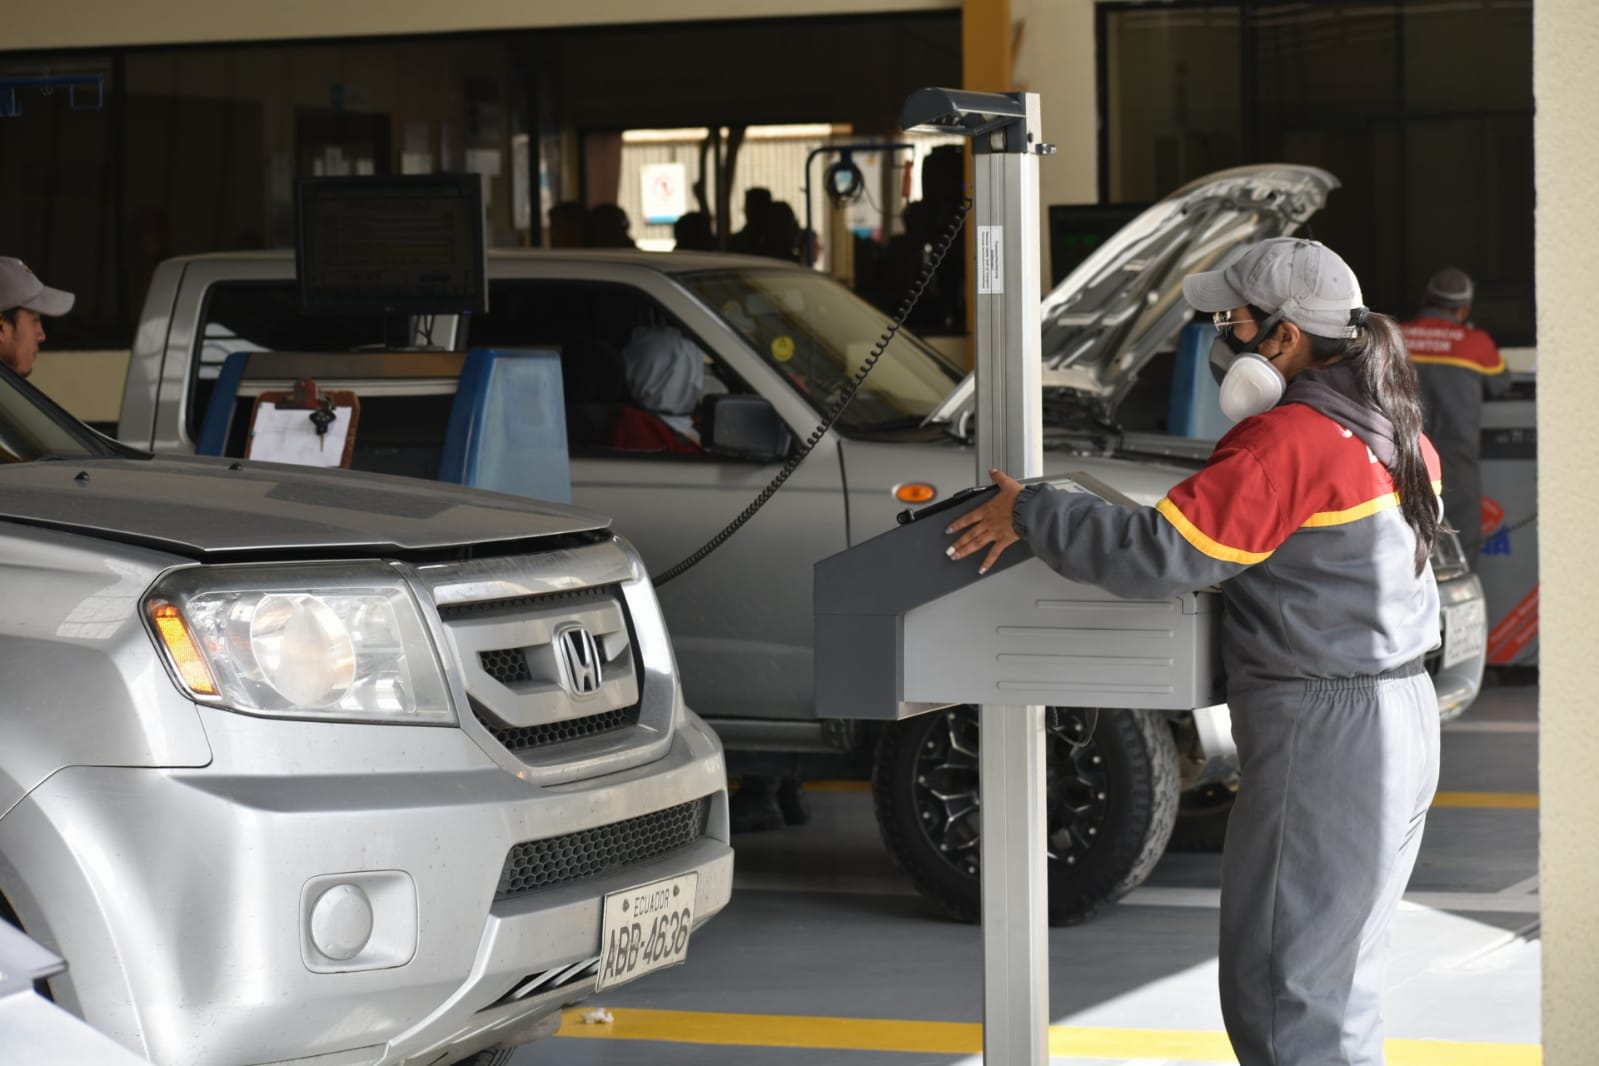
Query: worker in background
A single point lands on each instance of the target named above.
(692, 233)
(748, 241)
(566, 224)
(607, 226)
(1316, 515)
(665, 373)
(25, 301)
(1456, 364)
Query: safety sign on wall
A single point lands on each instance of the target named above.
(665, 192)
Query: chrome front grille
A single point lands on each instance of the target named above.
(526, 738)
(590, 852)
(506, 665)
(531, 694)
(547, 650)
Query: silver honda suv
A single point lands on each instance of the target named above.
(332, 767)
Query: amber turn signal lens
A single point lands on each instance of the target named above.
(915, 492)
(180, 645)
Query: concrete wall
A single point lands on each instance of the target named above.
(1053, 55)
(1566, 83)
(93, 23)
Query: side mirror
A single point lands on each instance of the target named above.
(745, 427)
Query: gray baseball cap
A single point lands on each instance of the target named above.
(1305, 281)
(20, 287)
(1450, 287)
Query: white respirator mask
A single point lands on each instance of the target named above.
(1250, 384)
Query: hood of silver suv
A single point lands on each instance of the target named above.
(204, 507)
(1124, 303)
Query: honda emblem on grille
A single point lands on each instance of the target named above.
(579, 654)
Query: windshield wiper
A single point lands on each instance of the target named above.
(896, 425)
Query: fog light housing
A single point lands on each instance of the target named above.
(341, 922)
(365, 920)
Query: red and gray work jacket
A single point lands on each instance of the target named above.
(1456, 365)
(1297, 519)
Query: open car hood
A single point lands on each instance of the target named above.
(1125, 301)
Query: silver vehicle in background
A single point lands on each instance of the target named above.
(312, 766)
(781, 343)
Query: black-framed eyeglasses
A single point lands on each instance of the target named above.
(1222, 323)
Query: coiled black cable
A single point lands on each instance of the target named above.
(929, 268)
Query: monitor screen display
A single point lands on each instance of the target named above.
(1075, 230)
(403, 245)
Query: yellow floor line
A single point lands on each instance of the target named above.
(1510, 801)
(838, 786)
(966, 1038)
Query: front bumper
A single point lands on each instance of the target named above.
(1459, 682)
(183, 898)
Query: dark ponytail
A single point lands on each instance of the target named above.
(1382, 366)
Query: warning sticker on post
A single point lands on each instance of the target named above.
(990, 260)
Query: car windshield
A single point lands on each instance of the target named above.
(32, 427)
(817, 334)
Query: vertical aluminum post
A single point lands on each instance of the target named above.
(1010, 437)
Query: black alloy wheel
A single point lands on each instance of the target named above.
(1111, 795)
(1202, 815)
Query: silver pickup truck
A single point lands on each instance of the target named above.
(779, 342)
(309, 766)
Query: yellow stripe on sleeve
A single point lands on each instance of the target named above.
(1352, 514)
(1202, 541)
(1463, 364)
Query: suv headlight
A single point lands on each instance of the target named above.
(1448, 557)
(341, 641)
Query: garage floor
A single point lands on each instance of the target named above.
(826, 955)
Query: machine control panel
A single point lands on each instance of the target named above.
(902, 630)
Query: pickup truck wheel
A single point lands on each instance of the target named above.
(1202, 815)
(494, 1056)
(1111, 788)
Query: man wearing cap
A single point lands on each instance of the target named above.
(1316, 515)
(24, 299)
(1456, 365)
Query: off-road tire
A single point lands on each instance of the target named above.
(1202, 815)
(1109, 820)
(493, 1056)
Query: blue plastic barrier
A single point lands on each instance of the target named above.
(1195, 405)
(507, 427)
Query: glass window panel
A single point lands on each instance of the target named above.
(1422, 109)
(1466, 56)
(218, 136)
(1324, 63)
(1469, 203)
(1172, 97)
(58, 182)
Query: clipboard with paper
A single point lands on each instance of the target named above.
(306, 427)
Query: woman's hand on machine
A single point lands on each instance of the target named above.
(989, 526)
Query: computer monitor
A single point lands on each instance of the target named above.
(400, 245)
(1075, 230)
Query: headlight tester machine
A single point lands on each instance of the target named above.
(901, 630)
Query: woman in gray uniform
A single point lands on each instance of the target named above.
(1316, 515)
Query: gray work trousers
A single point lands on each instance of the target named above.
(1336, 780)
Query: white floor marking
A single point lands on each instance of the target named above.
(1517, 899)
(1479, 902)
